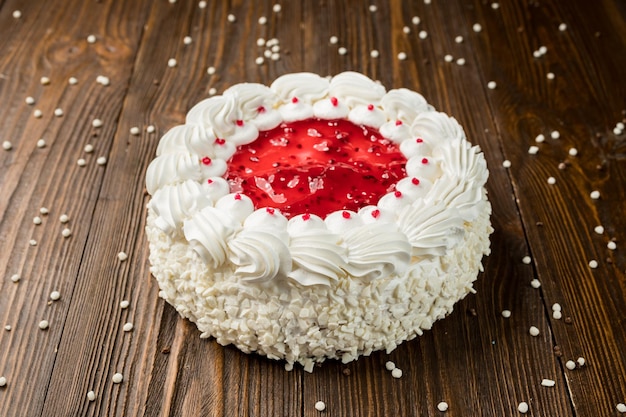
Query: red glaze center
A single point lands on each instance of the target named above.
(316, 166)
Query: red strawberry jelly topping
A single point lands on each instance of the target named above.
(316, 166)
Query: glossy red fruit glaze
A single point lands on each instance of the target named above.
(316, 166)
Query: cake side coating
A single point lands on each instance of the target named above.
(304, 289)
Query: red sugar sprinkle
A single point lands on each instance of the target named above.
(415, 181)
(345, 214)
(398, 194)
(220, 141)
(398, 122)
(210, 181)
(239, 123)
(419, 140)
(260, 109)
(206, 160)
(334, 101)
(306, 216)
(294, 100)
(237, 196)
(424, 160)
(370, 107)
(270, 210)
(375, 213)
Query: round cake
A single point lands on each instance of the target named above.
(317, 217)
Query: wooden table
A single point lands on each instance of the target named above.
(477, 361)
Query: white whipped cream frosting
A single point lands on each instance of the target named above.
(422, 218)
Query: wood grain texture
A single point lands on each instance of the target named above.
(477, 361)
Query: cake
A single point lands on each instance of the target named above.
(316, 217)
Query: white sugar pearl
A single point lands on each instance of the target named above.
(556, 307)
(374, 53)
(548, 382)
(506, 313)
(540, 138)
(29, 100)
(390, 366)
(402, 56)
(373, 8)
(124, 304)
(495, 6)
(259, 60)
(422, 34)
(66, 232)
(44, 211)
(212, 91)
(458, 39)
(117, 378)
(55, 295)
(187, 40)
(572, 152)
(103, 80)
(7, 327)
(275, 57)
(581, 361)
(127, 327)
(594, 195)
(477, 27)
(88, 148)
(550, 76)
(396, 373)
(7, 146)
(64, 218)
(448, 58)
(406, 30)
(91, 39)
(202, 4)
(571, 365)
(535, 283)
(3, 381)
(41, 143)
(135, 130)
(231, 18)
(276, 8)
(37, 220)
(526, 260)
(171, 62)
(415, 20)
(37, 113)
(150, 129)
(543, 49)
(523, 407)
(460, 61)
(43, 324)
(342, 51)
(533, 150)
(551, 180)
(611, 245)
(44, 80)
(599, 230)
(210, 70)
(557, 315)
(96, 123)
(320, 406)
(621, 407)
(593, 264)
(72, 81)
(442, 406)
(15, 278)
(563, 27)
(534, 331)
(262, 20)
(81, 162)
(260, 42)
(32, 242)
(91, 396)
(333, 40)
(491, 85)
(101, 160)
(16, 14)
(555, 134)
(506, 163)
(122, 256)
(58, 112)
